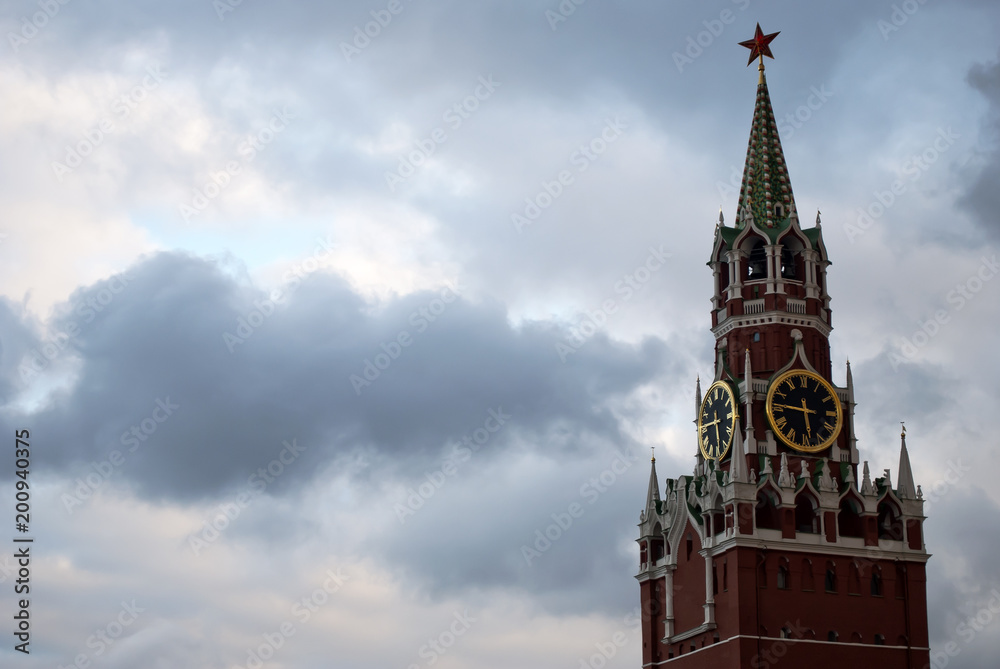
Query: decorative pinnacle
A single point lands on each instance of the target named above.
(759, 47)
(903, 433)
(653, 449)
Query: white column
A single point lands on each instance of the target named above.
(668, 605)
(774, 282)
(709, 595)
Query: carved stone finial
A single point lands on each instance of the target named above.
(784, 476)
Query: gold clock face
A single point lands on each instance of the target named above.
(804, 411)
(716, 421)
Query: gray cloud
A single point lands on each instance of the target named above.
(981, 197)
(160, 340)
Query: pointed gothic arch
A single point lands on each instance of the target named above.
(756, 266)
(792, 265)
(766, 512)
(806, 512)
(718, 515)
(657, 544)
(849, 519)
(890, 523)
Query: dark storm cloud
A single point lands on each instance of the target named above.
(982, 197)
(155, 374)
(657, 54)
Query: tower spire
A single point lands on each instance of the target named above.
(738, 460)
(653, 492)
(697, 398)
(905, 488)
(766, 192)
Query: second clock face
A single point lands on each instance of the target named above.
(804, 411)
(716, 420)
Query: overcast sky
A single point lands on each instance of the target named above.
(318, 312)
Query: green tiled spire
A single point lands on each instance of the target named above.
(766, 192)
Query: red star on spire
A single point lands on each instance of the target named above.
(759, 45)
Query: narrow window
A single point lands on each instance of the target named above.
(830, 583)
(854, 579)
(808, 583)
(876, 584)
(784, 579)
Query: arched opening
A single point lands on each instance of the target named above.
(766, 513)
(900, 581)
(718, 516)
(879, 639)
(792, 262)
(689, 546)
(657, 544)
(830, 580)
(890, 524)
(806, 513)
(784, 581)
(849, 520)
(757, 262)
(854, 579)
(808, 581)
(832, 635)
(876, 582)
(789, 264)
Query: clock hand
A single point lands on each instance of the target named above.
(805, 414)
(718, 440)
(787, 406)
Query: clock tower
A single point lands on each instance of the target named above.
(780, 548)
